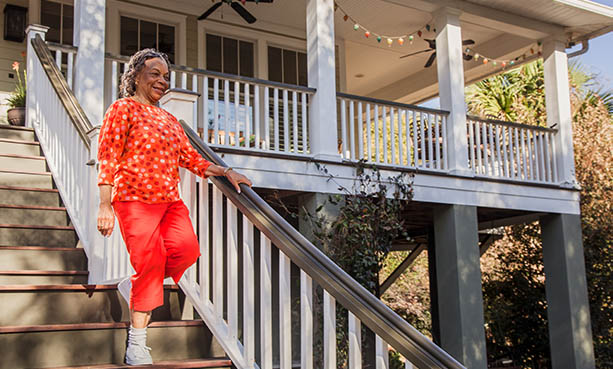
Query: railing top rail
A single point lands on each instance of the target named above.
(512, 124)
(73, 108)
(62, 47)
(232, 77)
(375, 314)
(391, 103)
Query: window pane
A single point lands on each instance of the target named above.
(290, 69)
(230, 56)
(148, 33)
(246, 58)
(166, 41)
(129, 36)
(213, 53)
(303, 77)
(275, 65)
(50, 16)
(67, 27)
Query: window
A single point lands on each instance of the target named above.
(59, 18)
(287, 66)
(228, 55)
(137, 34)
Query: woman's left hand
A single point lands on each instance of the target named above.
(236, 179)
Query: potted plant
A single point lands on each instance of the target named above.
(16, 115)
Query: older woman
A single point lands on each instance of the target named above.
(141, 148)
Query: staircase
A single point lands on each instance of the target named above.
(49, 315)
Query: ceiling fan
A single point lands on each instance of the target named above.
(432, 47)
(236, 5)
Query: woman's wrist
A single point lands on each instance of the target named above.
(226, 170)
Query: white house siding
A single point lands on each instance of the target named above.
(10, 52)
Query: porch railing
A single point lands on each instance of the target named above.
(512, 151)
(389, 133)
(65, 57)
(238, 112)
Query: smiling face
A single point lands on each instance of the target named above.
(153, 81)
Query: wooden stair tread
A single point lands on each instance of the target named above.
(25, 226)
(16, 128)
(25, 142)
(33, 207)
(191, 363)
(67, 287)
(25, 172)
(42, 248)
(94, 326)
(19, 156)
(44, 272)
(33, 189)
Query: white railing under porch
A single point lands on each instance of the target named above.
(65, 57)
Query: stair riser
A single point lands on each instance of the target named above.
(14, 134)
(47, 349)
(42, 260)
(12, 197)
(43, 279)
(20, 149)
(33, 217)
(74, 307)
(23, 164)
(37, 237)
(26, 180)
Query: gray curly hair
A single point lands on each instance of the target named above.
(127, 86)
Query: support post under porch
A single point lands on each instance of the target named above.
(89, 31)
(458, 284)
(568, 310)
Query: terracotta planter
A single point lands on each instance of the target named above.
(17, 116)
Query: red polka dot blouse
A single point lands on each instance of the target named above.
(140, 150)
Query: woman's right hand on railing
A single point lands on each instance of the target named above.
(106, 215)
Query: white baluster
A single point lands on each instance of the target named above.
(285, 122)
(369, 150)
(361, 132)
(547, 157)
(69, 70)
(256, 121)
(173, 79)
(266, 119)
(423, 139)
(553, 157)
(58, 59)
(382, 352)
(218, 251)
(504, 147)
(529, 142)
(377, 134)
(355, 342)
(265, 302)
(306, 321)
(345, 142)
(304, 124)
(329, 331)
(285, 312)
(492, 150)
(542, 170)
(232, 268)
(497, 134)
(237, 98)
(478, 168)
(216, 111)
(205, 109)
(384, 132)
(415, 148)
(352, 148)
(437, 143)
(203, 235)
(247, 100)
(248, 294)
(393, 134)
(295, 121)
(276, 117)
(226, 118)
(430, 132)
(484, 128)
(184, 80)
(114, 80)
(402, 117)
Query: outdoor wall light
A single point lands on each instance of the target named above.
(14, 23)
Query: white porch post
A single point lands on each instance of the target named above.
(320, 58)
(89, 32)
(31, 32)
(557, 101)
(450, 68)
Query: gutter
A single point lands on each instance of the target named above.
(585, 47)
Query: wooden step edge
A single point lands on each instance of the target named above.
(190, 363)
(18, 156)
(17, 128)
(33, 207)
(44, 272)
(26, 226)
(24, 142)
(94, 326)
(89, 288)
(25, 172)
(32, 189)
(42, 248)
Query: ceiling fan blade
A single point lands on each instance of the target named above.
(210, 11)
(467, 57)
(243, 12)
(431, 43)
(430, 60)
(415, 53)
(468, 42)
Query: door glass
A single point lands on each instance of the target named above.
(50, 16)
(148, 35)
(213, 53)
(246, 59)
(166, 41)
(129, 36)
(275, 64)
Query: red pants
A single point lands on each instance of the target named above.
(161, 241)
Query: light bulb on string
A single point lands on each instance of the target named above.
(401, 41)
(378, 38)
(356, 27)
(390, 42)
(367, 34)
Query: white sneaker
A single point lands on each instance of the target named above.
(124, 288)
(138, 355)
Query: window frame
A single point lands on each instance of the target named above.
(238, 41)
(62, 3)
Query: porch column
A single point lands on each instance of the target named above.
(458, 284)
(450, 68)
(321, 70)
(557, 102)
(89, 32)
(568, 311)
